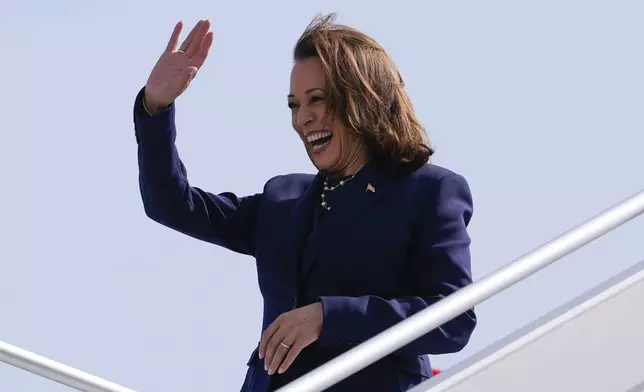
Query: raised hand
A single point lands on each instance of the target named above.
(175, 69)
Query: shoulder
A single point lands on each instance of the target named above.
(439, 192)
(435, 179)
(287, 186)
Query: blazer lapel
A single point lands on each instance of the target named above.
(368, 186)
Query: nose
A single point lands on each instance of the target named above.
(305, 116)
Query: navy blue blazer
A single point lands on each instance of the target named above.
(391, 246)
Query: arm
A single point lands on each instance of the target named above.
(440, 262)
(168, 198)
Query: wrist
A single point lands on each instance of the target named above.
(151, 108)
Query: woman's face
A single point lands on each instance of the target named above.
(331, 146)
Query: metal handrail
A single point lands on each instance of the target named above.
(55, 371)
(609, 289)
(458, 303)
(395, 337)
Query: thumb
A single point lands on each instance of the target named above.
(189, 74)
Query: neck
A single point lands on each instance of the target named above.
(352, 166)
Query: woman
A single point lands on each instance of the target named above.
(375, 236)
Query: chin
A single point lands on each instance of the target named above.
(326, 159)
(325, 163)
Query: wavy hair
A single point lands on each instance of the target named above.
(366, 91)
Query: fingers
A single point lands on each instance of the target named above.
(266, 337)
(283, 340)
(193, 41)
(273, 349)
(197, 44)
(279, 354)
(202, 54)
(296, 349)
(282, 349)
(186, 42)
(174, 38)
(201, 31)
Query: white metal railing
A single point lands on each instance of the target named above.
(55, 371)
(616, 285)
(395, 337)
(458, 303)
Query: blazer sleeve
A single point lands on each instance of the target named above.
(169, 199)
(440, 265)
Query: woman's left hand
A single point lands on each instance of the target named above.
(288, 335)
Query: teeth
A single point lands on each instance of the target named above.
(317, 136)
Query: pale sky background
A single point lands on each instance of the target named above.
(538, 104)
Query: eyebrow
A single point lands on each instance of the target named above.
(307, 91)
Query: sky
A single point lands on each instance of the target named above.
(537, 104)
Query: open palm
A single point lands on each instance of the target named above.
(175, 69)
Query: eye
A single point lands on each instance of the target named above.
(316, 99)
(292, 105)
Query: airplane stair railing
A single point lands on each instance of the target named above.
(593, 343)
(395, 337)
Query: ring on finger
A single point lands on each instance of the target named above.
(286, 346)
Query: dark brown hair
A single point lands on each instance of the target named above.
(366, 91)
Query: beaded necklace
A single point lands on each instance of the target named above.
(323, 198)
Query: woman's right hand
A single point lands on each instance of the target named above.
(175, 69)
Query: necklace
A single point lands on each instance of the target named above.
(327, 188)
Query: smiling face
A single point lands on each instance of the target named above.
(331, 146)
